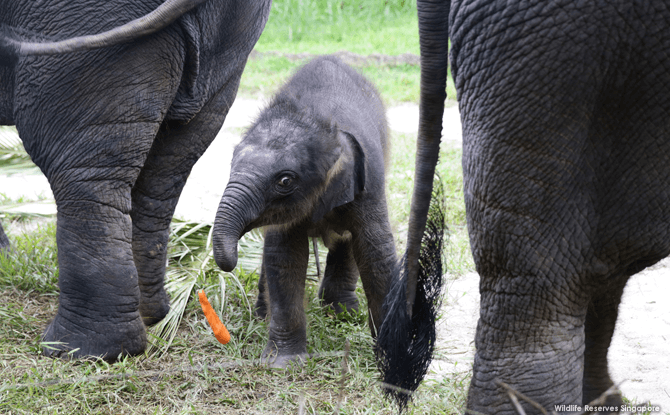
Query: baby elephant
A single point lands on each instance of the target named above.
(312, 165)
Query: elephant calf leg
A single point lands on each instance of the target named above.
(374, 252)
(4, 241)
(285, 258)
(338, 288)
(261, 308)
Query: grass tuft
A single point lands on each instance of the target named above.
(32, 262)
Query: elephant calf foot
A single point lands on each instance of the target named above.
(285, 347)
(78, 337)
(261, 308)
(274, 358)
(154, 308)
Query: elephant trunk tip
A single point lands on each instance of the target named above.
(225, 254)
(240, 206)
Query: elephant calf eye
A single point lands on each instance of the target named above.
(285, 184)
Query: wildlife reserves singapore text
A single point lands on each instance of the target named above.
(613, 408)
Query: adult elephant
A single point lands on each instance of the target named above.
(116, 131)
(566, 145)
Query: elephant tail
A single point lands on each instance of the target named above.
(11, 49)
(406, 338)
(405, 342)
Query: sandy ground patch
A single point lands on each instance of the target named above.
(639, 351)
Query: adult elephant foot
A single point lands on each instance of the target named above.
(98, 311)
(545, 375)
(338, 288)
(154, 304)
(91, 337)
(527, 343)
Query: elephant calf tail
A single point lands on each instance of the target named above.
(405, 343)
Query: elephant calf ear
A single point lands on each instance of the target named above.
(346, 178)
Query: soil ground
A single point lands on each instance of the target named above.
(639, 351)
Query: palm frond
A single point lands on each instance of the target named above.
(13, 157)
(179, 284)
(28, 209)
(191, 267)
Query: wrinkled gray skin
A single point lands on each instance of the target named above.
(116, 131)
(312, 165)
(565, 110)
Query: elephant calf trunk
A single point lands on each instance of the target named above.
(225, 250)
(238, 208)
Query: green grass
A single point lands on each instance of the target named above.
(197, 374)
(300, 29)
(265, 74)
(33, 264)
(364, 26)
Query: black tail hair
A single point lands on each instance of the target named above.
(405, 344)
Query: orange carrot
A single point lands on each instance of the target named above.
(220, 331)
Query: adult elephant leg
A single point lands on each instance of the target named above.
(537, 157)
(338, 288)
(532, 260)
(88, 121)
(599, 326)
(285, 255)
(528, 339)
(157, 190)
(99, 297)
